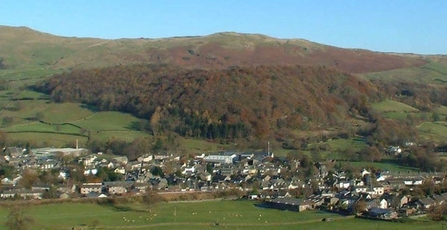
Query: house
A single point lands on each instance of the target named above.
(383, 204)
(253, 196)
(395, 201)
(372, 203)
(13, 151)
(360, 189)
(291, 204)
(394, 150)
(87, 188)
(378, 190)
(23, 193)
(120, 170)
(425, 203)
(439, 199)
(189, 170)
(123, 160)
(118, 187)
(64, 196)
(343, 184)
(145, 158)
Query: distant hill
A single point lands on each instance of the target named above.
(24, 48)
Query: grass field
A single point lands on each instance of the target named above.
(202, 145)
(108, 121)
(343, 144)
(47, 139)
(393, 106)
(384, 165)
(442, 110)
(431, 73)
(435, 131)
(195, 215)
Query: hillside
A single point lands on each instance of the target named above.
(23, 48)
(228, 103)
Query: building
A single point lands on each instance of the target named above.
(87, 188)
(291, 204)
(220, 159)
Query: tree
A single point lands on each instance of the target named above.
(7, 120)
(138, 147)
(50, 194)
(157, 171)
(29, 177)
(3, 138)
(152, 198)
(38, 116)
(360, 206)
(2, 63)
(435, 116)
(18, 220)
(155, 118)
(305, 161)
(438, 212)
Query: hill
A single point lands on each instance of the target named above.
(23, 48)
(219, 103)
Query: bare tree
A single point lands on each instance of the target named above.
(18, 220)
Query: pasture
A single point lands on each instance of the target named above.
(436, 131)
(393, 106)
(194, 215)
(431, 73)
(383, 165)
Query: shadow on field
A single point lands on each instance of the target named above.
(92, 108)
(140, 125)
(111, 204)
(261, 205)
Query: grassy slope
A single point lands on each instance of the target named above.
(393, 106)
(203, 215)
(431, 73)
(394, 109)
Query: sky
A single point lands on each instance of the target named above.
(405, 26)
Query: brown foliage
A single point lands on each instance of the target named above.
(438, 212)
(218, 104)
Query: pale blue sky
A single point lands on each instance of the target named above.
(413, 26)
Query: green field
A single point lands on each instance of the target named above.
(194, 215)
(108, 121)
(436, 131)
(47, 139)
(343, 144)
(67, 120)
(202, 145)
(393, 106)
(384, 165)
(431, 73)
(442, 110)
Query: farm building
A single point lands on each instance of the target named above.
(291, 204)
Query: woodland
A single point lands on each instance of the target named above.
(256, 104)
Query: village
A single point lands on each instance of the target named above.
(285, 183)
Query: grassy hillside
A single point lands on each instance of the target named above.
(393, 106)
(28, 50)
(193, 215)
(431, 73)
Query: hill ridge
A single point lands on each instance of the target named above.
(36, 49)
